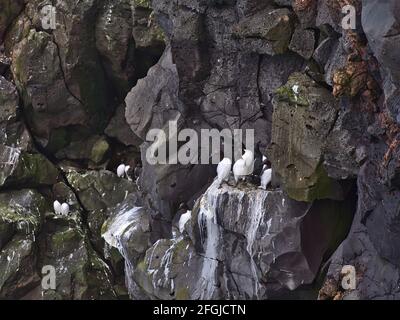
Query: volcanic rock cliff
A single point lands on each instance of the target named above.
(79, 100)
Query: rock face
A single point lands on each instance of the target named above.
(304, 114)
(59, 91)
(81, 99)
(382, 28)
(239, 244)
(9, 11)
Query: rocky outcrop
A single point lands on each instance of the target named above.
(371, 245)
(79, 100)
(97, 191)
(9, 11)
(71, 79)
(239, 244)
(59, 90)
(303, 116)
(381, 26)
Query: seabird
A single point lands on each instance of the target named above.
(258, 161)
(121, 170)
(240, 170)
(64, 209)
(127, 168)
(224, 170)
(266, 179)
(248, 157)
(57, 207)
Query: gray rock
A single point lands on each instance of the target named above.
(5, 63)
(154, 100)
(306, 12)
(20, 221)
(45, 94)
(303, 42)
(98, 191)
(240, 238)
(382, 29)
(9, 11)
(266, 32)
(370, 248)
(128, 230)
(285, 3)
(8, 100)
(304, 114)
(119, 129)
(94, 148)
(324, 50)
(116, 44)
(274, 73)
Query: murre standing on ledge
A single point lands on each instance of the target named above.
(121, 170)
(249, 160)
(224, 170)
(244, 166)
(258, 161)
(266, 176)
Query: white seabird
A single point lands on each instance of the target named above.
(57, 207)
(248, 157)
(127, 168)
(240, 170)
(121, 170)
(64, 209)
(223, 170)
(266, 179)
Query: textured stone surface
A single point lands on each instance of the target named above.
(371, 245)
(324, 105)
(381, 26)
(235, 241)
(303, 42)
(301, 124)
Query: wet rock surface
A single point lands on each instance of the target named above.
(240, 243)
(79, 100)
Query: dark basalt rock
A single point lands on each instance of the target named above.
(244, 236)
(371, 244)
(304, 114)
(119, 129)
(324, 105)
(266, 32)
(382, 28)
(303, 42)
(9, 11)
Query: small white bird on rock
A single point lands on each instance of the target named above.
(121, 170)
(248, 157)
(127, 168)
(64, 209)
(240, 170)
(57, 207)
(224, 170)
(266, 179)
